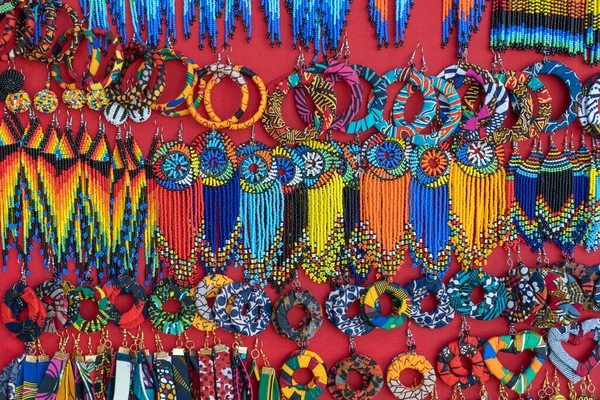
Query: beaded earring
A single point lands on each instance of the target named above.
(261, 212)
(592, 235)
(325, 222)
(221, 194)
(554, 206)
(581, 188)
(478, 196)
(429, 210)
(384, 191)
(46, 101)
(10, 151)
(18, 101)
(33, 198)
(176, 190)
(11, 81)
(290, 170)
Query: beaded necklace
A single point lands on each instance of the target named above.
(555, 203)
(261, 212)
(478, 196)
(384, 189)
(177, 193)
(221, 195)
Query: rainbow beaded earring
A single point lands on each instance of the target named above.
(46, 101)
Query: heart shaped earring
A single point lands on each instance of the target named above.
(515, 344)
(571, 368)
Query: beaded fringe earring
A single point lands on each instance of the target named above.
(261, 213)
(35, 209)
(177, 192)
(150, 237)
(325, 224)
(119, 213)
(429, 210)
(355, 238)
(272, 10)
(384, 191)
(581, 189)
(221, 194)
(478, 197)
(98, 188)
(290, 173)
(10, 164)
(592, 236)
(512, 240)
(555, 199)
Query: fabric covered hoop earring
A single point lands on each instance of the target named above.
(168, 54)
(127, 285)
(449, 108)
(418, 363)
(303, 359)
(442, 315)
(18, 298)
(333, 72)
(571, 80)
(336, 308)
(27, 31)
(412, 77)
(462, 284)
(495, 108)
(208, 288)
(171, 323)
(540, 121)
(218, 71)
(450, 368)
(258, 315)
(237, 124)
(311, 324)
(370, 371)
(515, 344)
(376, 103)
(225, 297)
(589, 113)
(56, 302)
(564, 302)
(401, 305)
(515, 84)
(322, 95)
(526, 294)
(97, 295)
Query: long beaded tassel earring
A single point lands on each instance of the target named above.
(119, 213)
(290, 173)
(325, 208)
(176, 189)
(384, 190)
(34, 203)
(430, 206)
(592, 236)
(581, 189)
(150, 238)
(525, 190)
(512, 240)
(98, 188)
(478, 196)
(10, 164)
(555, 206)
(261, 212)
(221, 193)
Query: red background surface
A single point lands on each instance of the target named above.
(274, 63)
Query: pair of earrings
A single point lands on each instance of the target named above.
(18, 100)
